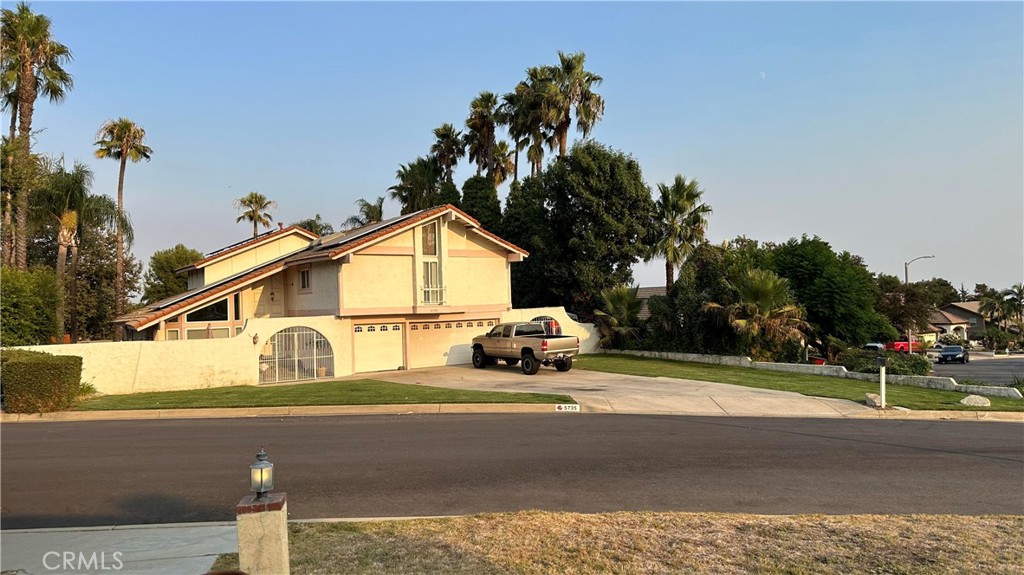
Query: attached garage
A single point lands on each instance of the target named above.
(444, 342)
(378, 346)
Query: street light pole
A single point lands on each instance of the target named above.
(906, 281)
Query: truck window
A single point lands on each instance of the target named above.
(496, 332)
(530, 330)
(506, 331)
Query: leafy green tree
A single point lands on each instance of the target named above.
(1015, 302)
(837, 290)
(682, 219)
(121, 140)
(28, 46)
(906, 306)
(160, 280)
(940, 292)
(369, 212)
(480, 200)
(448, 147)
(448, 194)
(21, 173)
(96, 306)
(480, 136)
(28, 306)
(619, 316)
(597, 213)
(255, 208)
(418, 184)
(316, 225)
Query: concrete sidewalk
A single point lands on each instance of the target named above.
(170, 549)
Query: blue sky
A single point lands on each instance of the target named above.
(890, 130)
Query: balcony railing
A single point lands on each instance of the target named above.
(433, 295)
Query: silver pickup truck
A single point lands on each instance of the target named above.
(526, 342)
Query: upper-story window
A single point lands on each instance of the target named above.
(430, 239)
(431, 285)
(305, 279)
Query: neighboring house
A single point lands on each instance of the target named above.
(407, 292)
(643, 294)
(970, 311)
(944, 322)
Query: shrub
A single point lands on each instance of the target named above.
(866, 361)
(28, 306)
(36, 382)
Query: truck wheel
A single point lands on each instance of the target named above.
(479, 359)
(530, 365)
(511, 362)
(564, 365)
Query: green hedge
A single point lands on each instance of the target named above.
(866, 361)
(28, 306)
(36, 382)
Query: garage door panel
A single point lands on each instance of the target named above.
(437, 343)
(378, 347)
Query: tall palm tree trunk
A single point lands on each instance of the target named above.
(515, 171)
(62, 257)
(14, 124)
(26, 103)
(73, 292)
(669, 276)
(119, 270)
(7, 238)
(563, 137)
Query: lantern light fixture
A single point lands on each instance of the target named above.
(261, 475)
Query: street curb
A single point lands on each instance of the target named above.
(285, 411)
(1001, 416)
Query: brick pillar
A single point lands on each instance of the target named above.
(263, 534)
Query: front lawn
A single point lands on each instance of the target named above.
(351, 392)
(542, 542)
(815, 385)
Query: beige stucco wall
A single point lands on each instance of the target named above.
(323, 297)
(377, 281)
(587, 332)
(249, 258)
(137, 366)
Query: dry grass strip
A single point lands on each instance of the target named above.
(650, 543)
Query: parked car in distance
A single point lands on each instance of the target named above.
(879, 347)
(901, 346)
(526, 342)
(954, 353)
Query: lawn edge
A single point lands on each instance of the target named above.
(282, 411)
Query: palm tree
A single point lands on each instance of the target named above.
(501, 164)
(1015, 298)
(256, 209)
(620, 317)
(60, 202)
(368, 213)
(682, 222)
(448, 148)
(480, 138)
(121, 140)
(417, 186)
(765, 308)
(514, 113)
(571, 87)
(315, 225)
(28, 46)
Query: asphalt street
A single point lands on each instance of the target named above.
(998, 370)
(131, 472)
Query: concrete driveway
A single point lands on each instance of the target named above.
(599, 392)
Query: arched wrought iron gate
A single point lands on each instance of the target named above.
(295, 354)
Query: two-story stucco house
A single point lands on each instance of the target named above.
(404, 293)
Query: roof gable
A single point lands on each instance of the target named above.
(249, 244)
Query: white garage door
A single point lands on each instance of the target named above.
(434, 343)
(378, 347)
